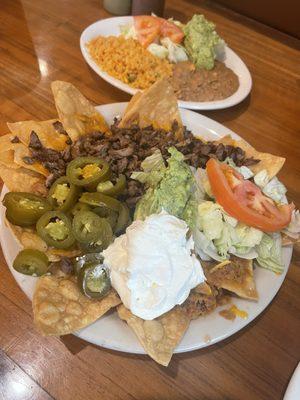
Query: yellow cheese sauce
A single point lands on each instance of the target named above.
(233, 312)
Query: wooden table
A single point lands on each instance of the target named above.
(39, 42)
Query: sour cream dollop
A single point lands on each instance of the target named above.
(152, 265)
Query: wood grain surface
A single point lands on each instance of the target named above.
(39, 42)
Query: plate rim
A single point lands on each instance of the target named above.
(202, 344)
(230, 101)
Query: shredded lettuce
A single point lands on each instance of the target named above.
(293, 229)
(203, 182)
(225, 243)
(176, 52)
(276, 191)
(248, 236)
(155, 161)
(128, 31)
(177, 23)
(272, 188)
(199, 191)
(230, 220)
(245, 171)
(244, 252)
(210, 220)
(158, 50)
(269, 252)
(261, 178)
(153, 170)
(218, 235)
(205, 248)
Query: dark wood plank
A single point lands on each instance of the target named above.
(15, 384)
(39, 42)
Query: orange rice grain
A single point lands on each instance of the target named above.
(128, 61)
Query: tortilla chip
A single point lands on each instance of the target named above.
(203, 288)
(155, 106)
(5, 143)
(272, 164)
(243, 286)
(288, 240)
(160, 336)
(12, 154)
(59, 308)
(77, 114)
(45, 130)
(23, 180)
(57, 254)
(201, 301)
(21, 151)
(7, 159)
(227, 140)
(133, 101)
(27, 237)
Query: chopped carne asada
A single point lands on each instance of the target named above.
(58, 126)
(28, 160)
(54, 161)
(231, 271)
(199, 303)
(15, 140)
(126, 148)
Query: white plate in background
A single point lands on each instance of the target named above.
(111, 27)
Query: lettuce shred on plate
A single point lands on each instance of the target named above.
(293, 229)
(269, 252)
(216, 234)
(165, 49)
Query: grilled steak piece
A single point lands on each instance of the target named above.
(58, 126)
(199, 303)
(126, 148)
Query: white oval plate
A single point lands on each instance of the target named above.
(110, 331)
(111, 27)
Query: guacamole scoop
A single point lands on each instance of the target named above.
(173, 192)
(201, 42)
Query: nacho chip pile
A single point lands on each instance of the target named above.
(17, 171)
(160, 336)
(240, 280)
(156, 106)
(58, 305)
(76, 113)
(272, 164)
(59, 308)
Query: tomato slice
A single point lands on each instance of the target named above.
(172, 31)
(244, 201)
(147, 28)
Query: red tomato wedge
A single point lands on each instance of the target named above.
(147, 28)
(172, 31)
(244, 201)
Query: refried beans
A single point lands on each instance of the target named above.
(193, 84)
